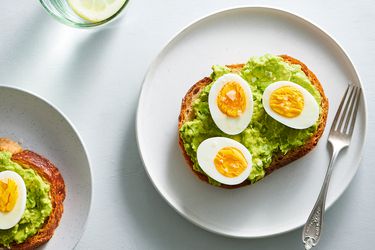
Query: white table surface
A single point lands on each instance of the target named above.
(94, 77)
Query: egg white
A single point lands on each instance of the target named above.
(207, 151)
(305, 119)
(10, 219)
(230, 125)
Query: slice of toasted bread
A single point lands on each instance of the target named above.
(187, 114)
(50, 174)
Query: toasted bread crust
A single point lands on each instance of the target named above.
(186, 114)
(51, 174)
(10, 146)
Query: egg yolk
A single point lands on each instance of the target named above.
(8, 195)
(231, 99)
(230, 162)
(287, 101)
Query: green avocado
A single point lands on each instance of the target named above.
(38, 203)
(264, 137)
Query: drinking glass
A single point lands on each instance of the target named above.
(61, 10)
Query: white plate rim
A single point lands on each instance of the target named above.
(28, 92)
(181, 32)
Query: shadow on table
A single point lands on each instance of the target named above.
(86, 54)
(28, 41)
(62, 57)
(81, 61)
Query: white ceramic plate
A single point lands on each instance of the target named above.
(40, 127)
(283, 200)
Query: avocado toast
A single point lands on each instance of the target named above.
(44, 197)
(271, 144)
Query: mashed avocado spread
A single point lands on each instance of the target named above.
(38, 203)
(264, 137)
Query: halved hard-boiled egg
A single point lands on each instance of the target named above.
(224, 160)
(231, 103)
(290, 104)
(12, 199)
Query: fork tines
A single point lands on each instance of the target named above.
(347, 112)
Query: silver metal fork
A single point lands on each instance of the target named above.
(339, 138)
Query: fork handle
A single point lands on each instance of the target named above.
(313, 227)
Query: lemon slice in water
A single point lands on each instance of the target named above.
(95, 10)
